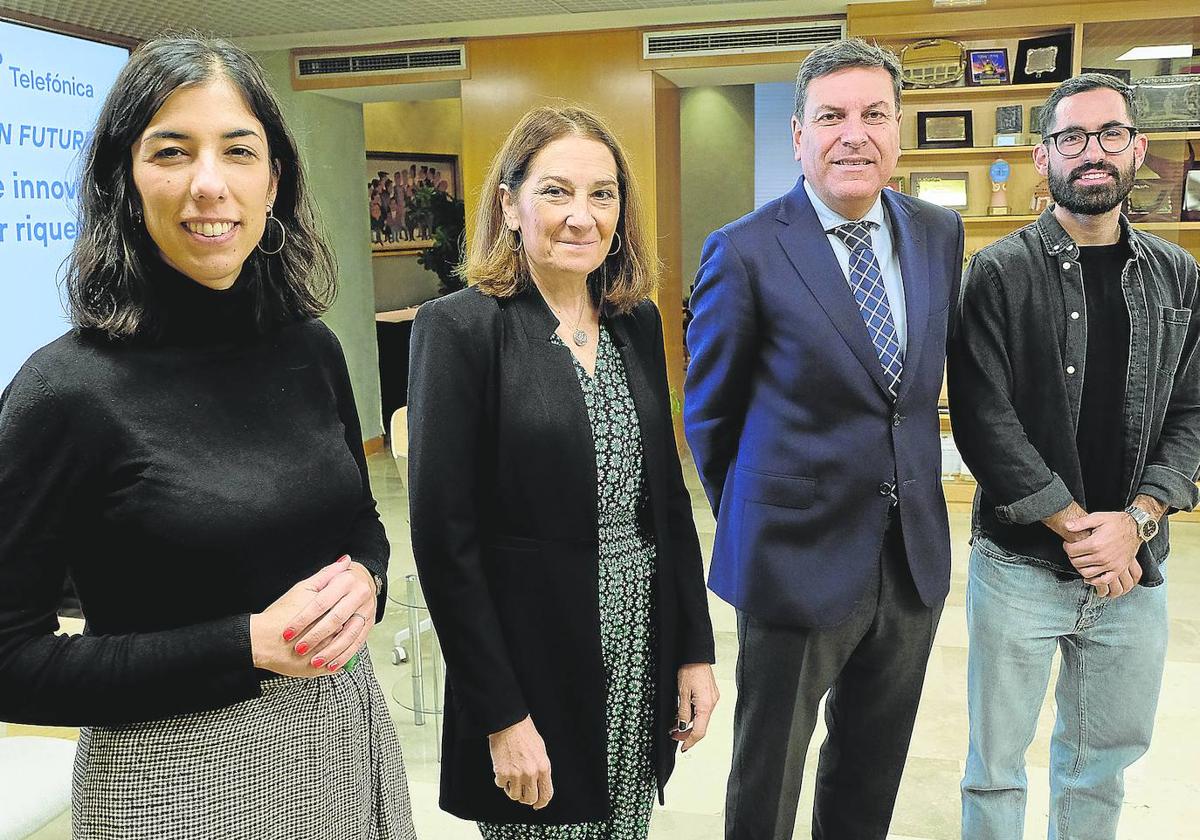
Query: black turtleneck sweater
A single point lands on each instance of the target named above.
(184, 482)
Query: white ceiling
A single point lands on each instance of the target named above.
(278, 24)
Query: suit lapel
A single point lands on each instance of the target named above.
(803, 240)
(914, 270)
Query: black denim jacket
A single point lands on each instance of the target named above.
(1017, 362)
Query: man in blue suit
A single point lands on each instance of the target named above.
(817, 347)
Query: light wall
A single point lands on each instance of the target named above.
(330, 135)
(431, 126)
(717, 165)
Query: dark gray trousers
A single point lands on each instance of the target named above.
(873, 665)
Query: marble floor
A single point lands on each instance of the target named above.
(1162, 799)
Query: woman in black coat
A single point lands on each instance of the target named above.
(550, 522)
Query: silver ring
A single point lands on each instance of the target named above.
(360, 615)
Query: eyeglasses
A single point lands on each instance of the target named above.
(1071, 142)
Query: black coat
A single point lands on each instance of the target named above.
(504, 527)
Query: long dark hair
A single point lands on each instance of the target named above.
(108, 275)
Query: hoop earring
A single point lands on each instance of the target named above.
(517, 237)
(282, 235)
(617, 237)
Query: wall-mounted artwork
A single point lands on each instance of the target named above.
(401, 190)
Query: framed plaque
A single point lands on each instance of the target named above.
(1045, 59)
(987, 67)
(944, 130)
(896, 183)
(946, 189)
(1168, 102)
(1010, 125)
(1035, 119)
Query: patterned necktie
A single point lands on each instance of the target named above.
(866, 282)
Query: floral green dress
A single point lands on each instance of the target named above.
(626, 598)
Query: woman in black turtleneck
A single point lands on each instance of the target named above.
(191, 455)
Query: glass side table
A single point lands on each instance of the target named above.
(409, 646)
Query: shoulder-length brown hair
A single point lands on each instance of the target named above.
(625, 278)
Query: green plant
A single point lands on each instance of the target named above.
(445, 218)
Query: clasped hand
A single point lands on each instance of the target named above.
(318, 625)
(1107, 557)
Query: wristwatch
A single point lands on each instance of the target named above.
(1147, 525)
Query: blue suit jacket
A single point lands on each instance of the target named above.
(790, 421)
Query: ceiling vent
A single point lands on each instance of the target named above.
(738, 40)
(390, 62)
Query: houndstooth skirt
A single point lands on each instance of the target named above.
(311, 759)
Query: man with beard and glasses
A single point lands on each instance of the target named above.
(1075, 396)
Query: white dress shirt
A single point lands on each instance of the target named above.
(881, 244)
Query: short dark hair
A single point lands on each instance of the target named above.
(1082, 84)
(842, 55)
(108, 273)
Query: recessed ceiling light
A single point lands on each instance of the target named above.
(1164, 51)
(943, 4)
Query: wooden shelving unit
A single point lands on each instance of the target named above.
(1188, 226)
(1173, 135)
(908, 155)
(1024, 219)
(972, 94)
(1101, 31)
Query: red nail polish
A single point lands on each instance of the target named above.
(289, 634)
(345, 558)
(333, 666)
(302, 648)
(318, 662)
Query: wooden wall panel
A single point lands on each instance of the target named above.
(598, 70)
(670, 232)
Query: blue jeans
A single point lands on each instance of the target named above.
(1112, 650)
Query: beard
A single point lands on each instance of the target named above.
(1091, 199)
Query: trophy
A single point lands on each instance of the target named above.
(1009, 126)
(999, 173)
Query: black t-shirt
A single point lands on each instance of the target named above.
(1100, 436)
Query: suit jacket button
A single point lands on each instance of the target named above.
(896, 419)
(886, 488)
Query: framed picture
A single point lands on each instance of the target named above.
(946, 189)
(401, 187)
(944, 130)
(1168, 102)
(896, 183)
(987, 67)
(1045, 59)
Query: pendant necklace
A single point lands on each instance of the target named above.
(577, 334)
